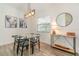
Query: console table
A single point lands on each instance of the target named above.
(61, 47)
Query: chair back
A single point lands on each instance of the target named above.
(37, 36)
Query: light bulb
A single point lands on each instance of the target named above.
(29, 14)
(32, 13)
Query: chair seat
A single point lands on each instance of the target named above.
(24, 44)
(33, 40)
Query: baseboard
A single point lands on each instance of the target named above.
(6, 44)
(45, 43)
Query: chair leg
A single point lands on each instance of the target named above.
(17, 49)
(22, 51)
(26, 47)
(14, 46)
(39, 45)
(32, 48)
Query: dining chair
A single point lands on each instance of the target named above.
(37, 37)
(24, 43)
(15, 40)
(21, 44)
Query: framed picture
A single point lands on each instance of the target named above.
(10, 22)
(22, 23)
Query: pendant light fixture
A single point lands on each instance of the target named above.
(30, 12)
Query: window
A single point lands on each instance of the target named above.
(44, 24)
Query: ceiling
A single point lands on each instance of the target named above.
(20, 6)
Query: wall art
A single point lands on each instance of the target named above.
(10, 22)
(22, 23)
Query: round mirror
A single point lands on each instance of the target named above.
(64, 19)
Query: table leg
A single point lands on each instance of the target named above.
(74, 45)
(29, 47)
(39, 44)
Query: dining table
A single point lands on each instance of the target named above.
(30, 39)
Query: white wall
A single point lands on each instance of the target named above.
(41, 10)
(53, 10)
(6, 33)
